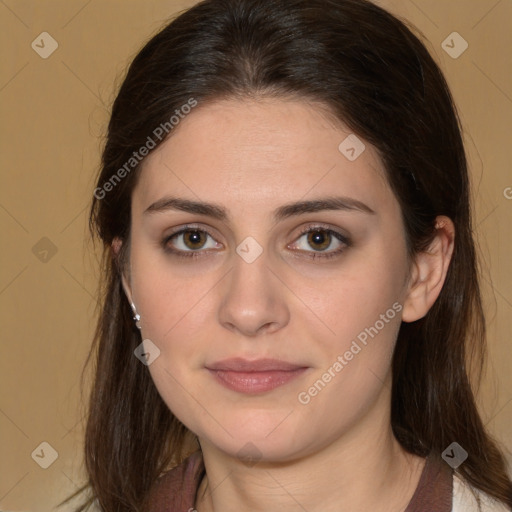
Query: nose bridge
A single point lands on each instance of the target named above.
(253, 300)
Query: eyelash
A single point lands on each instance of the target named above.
(314, 254)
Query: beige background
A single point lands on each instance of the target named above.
(54, 112)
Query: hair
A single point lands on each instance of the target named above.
(369, 70)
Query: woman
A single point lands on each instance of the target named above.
(291, 306)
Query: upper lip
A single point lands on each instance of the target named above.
(239, 364)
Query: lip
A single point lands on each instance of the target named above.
(238, 364)
(256, 376)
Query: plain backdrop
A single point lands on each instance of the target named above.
(54, 113)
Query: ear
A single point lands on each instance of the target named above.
(429, 271)
(116, 247)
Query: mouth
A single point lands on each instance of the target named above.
(252, 377)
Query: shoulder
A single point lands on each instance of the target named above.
(176, 489)
(468, 499)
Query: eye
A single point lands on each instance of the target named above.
(315, 242)
(321, 242)
(189, 240)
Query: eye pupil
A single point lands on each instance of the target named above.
(194, 239)
(319, 238)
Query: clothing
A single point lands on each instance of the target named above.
(467, 499)
(438, 490)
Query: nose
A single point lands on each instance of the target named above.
(253, 300)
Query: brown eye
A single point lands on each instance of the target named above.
(190, 241)
(319, 240)
(194, 239)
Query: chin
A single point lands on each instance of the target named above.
(259, 439)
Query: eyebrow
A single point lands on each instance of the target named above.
(283, 212)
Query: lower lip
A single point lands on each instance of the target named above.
(255, 382)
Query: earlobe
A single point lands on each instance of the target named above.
(429, 272)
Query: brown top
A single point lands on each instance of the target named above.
(435, 487)
(176, 490)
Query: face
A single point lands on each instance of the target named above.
(298, 257)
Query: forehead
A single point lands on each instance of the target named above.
(261, 151)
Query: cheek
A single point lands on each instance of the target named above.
(176, 313)
(367, 293)
(355, 366)
(166, 297)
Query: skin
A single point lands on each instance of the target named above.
(337, 452)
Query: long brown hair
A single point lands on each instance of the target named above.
(373, 74)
